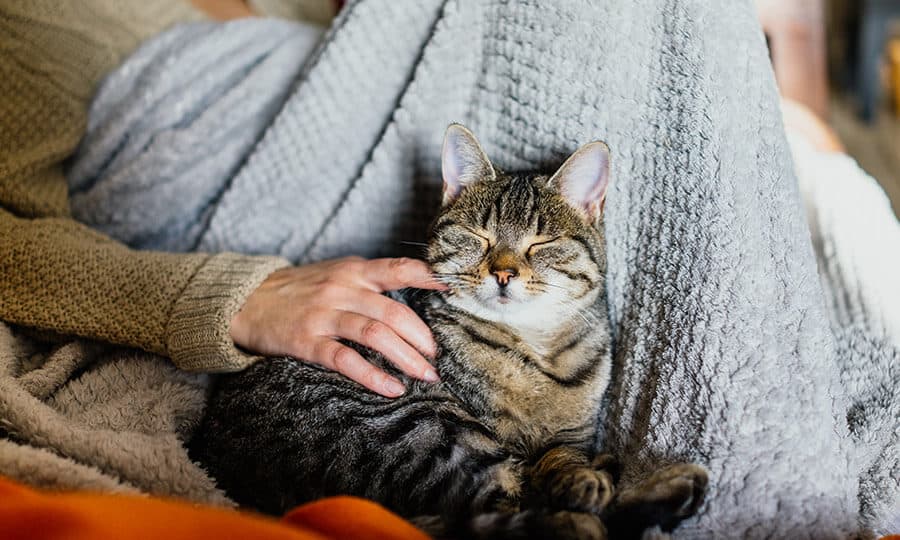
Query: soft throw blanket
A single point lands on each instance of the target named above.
(726, 352)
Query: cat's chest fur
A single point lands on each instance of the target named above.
(531, 390)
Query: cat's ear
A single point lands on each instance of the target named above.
(583, 178)
(463, 162)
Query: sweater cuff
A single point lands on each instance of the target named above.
(198, 332)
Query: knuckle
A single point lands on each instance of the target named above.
(328, 292)
(341, 358)
(404, 269)
(400, 264)
(374, 331)
(329, 288)
(351, 265)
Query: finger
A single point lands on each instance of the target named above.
(380, 337)
(393, 274)
(333, 355)
(399, 317)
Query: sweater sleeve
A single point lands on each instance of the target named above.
(58, 275)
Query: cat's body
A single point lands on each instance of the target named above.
(315, 433)
(501, 446)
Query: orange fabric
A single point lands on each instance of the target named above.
(28, 514)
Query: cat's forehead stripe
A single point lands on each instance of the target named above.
(535, 220)
(515, 206)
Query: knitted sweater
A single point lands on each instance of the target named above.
(57, 275)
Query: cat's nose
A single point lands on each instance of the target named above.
(503, 276)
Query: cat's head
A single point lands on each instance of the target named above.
(521, 249)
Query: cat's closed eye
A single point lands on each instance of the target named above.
(466, 239)
(485, 237)
(561, 252)
(539, 242)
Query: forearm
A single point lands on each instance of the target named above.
(58, 275)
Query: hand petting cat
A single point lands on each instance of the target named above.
(302, 312)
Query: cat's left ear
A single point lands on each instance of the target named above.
(583, 178)
(463, 162)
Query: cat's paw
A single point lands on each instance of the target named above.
(581, 489)
(679, 488)
(664, 499)
(608, 463)
(573, 526)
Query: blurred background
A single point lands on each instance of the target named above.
(841, 59)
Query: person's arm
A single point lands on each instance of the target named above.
(60, 276)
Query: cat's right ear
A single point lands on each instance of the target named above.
(583, 178)
(463, 162)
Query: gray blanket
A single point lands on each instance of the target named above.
(229, 137)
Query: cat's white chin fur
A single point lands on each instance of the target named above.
(537, 319)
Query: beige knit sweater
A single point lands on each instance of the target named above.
(57, 275)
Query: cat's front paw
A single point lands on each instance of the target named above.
(680, 489)
(665, 499)
(581, 489)
(608, 463)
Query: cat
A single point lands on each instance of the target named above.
(501, 446)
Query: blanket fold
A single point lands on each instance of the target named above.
(724, 353)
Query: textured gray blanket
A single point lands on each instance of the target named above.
(221, 137)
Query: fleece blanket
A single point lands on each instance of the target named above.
(728, 347)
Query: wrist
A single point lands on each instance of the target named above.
(199, 329)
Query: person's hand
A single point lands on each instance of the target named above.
(301, 311)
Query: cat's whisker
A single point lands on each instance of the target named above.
(409, 243)
(454, 274)
(588, 316)
(550, 284)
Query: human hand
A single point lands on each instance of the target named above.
(301, 312)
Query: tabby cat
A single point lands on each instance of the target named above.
(501, 446)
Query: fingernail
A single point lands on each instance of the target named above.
(431, 375)
(394, 387)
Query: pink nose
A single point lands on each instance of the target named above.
(503, 276)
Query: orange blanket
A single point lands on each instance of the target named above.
(28, 514)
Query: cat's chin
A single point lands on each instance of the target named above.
(515, 312)
(491, 309)
(503, 304)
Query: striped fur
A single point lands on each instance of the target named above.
(498, 448)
